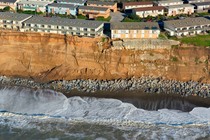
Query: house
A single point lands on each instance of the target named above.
(202, 7)
(38, 6)
(12, 20)
(187, 26)
(168, 2)
(73, 2)
(148, 11)
(11, 3)
(174, 10)
(94, 12)
(59, 25)
(131, 5)
(196, 1)
(64, 9)
(134, 30)
(111, 5)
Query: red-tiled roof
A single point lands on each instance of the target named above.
(137, 3)
(149, 8)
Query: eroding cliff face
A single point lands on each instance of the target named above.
(53, 57)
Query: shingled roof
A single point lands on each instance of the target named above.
(134, 25)
(101, 3)
(187, 22)
(13, 16)
(149, 8)
(64, 22)
(137, 3)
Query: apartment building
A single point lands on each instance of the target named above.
(111, 5)
(12, 20)
(187, 26)
(174, 10)
(196, 1)
(64, 9)
(202, 7)
(11, 3)
(73, 2)
(64, 26)
(131, 5)
(149, 11)
(38, 6)
(136, 30)
(94, 12)
(168, 2)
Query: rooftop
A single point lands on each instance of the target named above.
(134, 25)
(72, 1)
(101, 3)
(167, 1)
(70, 6)
(188, 22)
(41, 3)
(8, 1)
(93, 8)
(149, 8)
(13, 16)
(138, 3)
(179, 6)
(63, 22)
(201, 3)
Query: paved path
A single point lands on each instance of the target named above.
(117, 16)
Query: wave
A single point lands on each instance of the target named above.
(51, 103)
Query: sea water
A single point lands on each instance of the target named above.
(46, 114)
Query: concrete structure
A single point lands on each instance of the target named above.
(187, 26)
(65, 9)
(168, 2)
(131, 5)
(149, 11)
(135, 30)
(38, 6)
(73, 2)
(111, 5)
(11, 3)
(202, 7)
(179, 9)
(64, 26)
(12, 20)
(93, 12)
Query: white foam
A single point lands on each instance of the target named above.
(50, 103)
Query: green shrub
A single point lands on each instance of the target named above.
(174, 58)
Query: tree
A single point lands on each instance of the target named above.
(6, 9)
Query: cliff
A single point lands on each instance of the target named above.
(47, 57)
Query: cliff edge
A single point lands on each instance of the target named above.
(47, 57)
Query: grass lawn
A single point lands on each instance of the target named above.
(198, 40)
(103, 19)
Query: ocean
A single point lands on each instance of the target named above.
(46, 114)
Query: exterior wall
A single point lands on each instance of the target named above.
(61, 10)
(112, 8)
(137, 6)
(5, 4)
(94, 14)
(153, 13)
(169, 3)
(66, 2)
(202, 8)
(12, 24)
(183, 31)
(134, 34)
(32, 7)
(181, 10)
(79, 31)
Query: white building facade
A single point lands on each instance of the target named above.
(187, 26)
